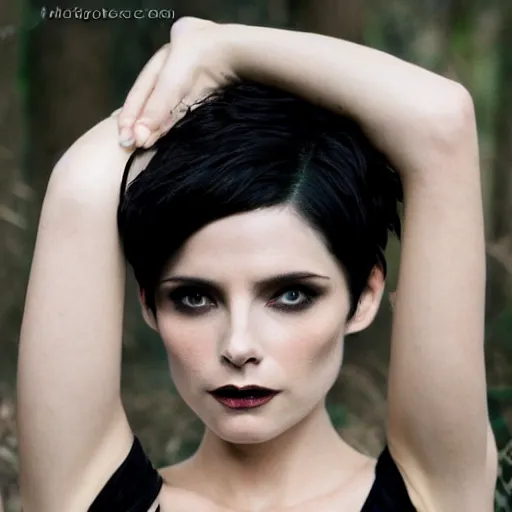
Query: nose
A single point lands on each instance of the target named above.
(239, 349)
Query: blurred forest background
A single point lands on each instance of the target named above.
(60, 77)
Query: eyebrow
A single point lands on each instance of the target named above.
(277, 280)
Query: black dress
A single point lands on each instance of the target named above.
(136, 484)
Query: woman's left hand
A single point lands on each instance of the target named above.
(180, 74)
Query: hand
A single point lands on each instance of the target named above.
(179, 75)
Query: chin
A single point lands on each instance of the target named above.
(246, 435)
(247, 428)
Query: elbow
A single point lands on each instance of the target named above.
(452, 120)
(460, 115)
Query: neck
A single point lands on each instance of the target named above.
(307, 461)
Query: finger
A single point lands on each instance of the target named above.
(146, 141)
(139, 94)
(173, 82)
(188, 23)
(176, 114)
(200, 92)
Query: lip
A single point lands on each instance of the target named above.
(246, 397)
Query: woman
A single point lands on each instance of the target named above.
(212, 284)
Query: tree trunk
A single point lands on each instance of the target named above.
(502, 218)
(69, 78)
(13, 193)
(500, 247)
(333, 18)
(13, 224)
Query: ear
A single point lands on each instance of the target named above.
(369, 302)
(147, 314)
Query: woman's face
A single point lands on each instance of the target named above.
(227, 318)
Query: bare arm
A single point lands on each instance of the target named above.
(72, 428)
(438, 427)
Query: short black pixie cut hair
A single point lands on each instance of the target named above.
(251, 146)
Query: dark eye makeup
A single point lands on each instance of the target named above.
(190, 299)
(295, 298)
(195, 300)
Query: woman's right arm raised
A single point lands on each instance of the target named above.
(73, 431)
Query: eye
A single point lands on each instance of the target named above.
(296, 298)
(292, 297)
(195, 300)
(190, 300)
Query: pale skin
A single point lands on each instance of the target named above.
(72, 427)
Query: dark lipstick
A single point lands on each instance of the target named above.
(247, 397)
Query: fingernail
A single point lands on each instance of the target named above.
(142, 134)
(126, 138)
(151, 140)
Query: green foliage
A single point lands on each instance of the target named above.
(499, 329)
(338, 414)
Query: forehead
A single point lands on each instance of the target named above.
(254, 245)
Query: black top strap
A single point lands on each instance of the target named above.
(388, 493)
(133, 487)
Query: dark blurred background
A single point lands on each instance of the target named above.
(60, 76)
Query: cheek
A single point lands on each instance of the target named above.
(312, 339)
(190, 344)
(314, 363)
(314, 358)
(309, 355)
